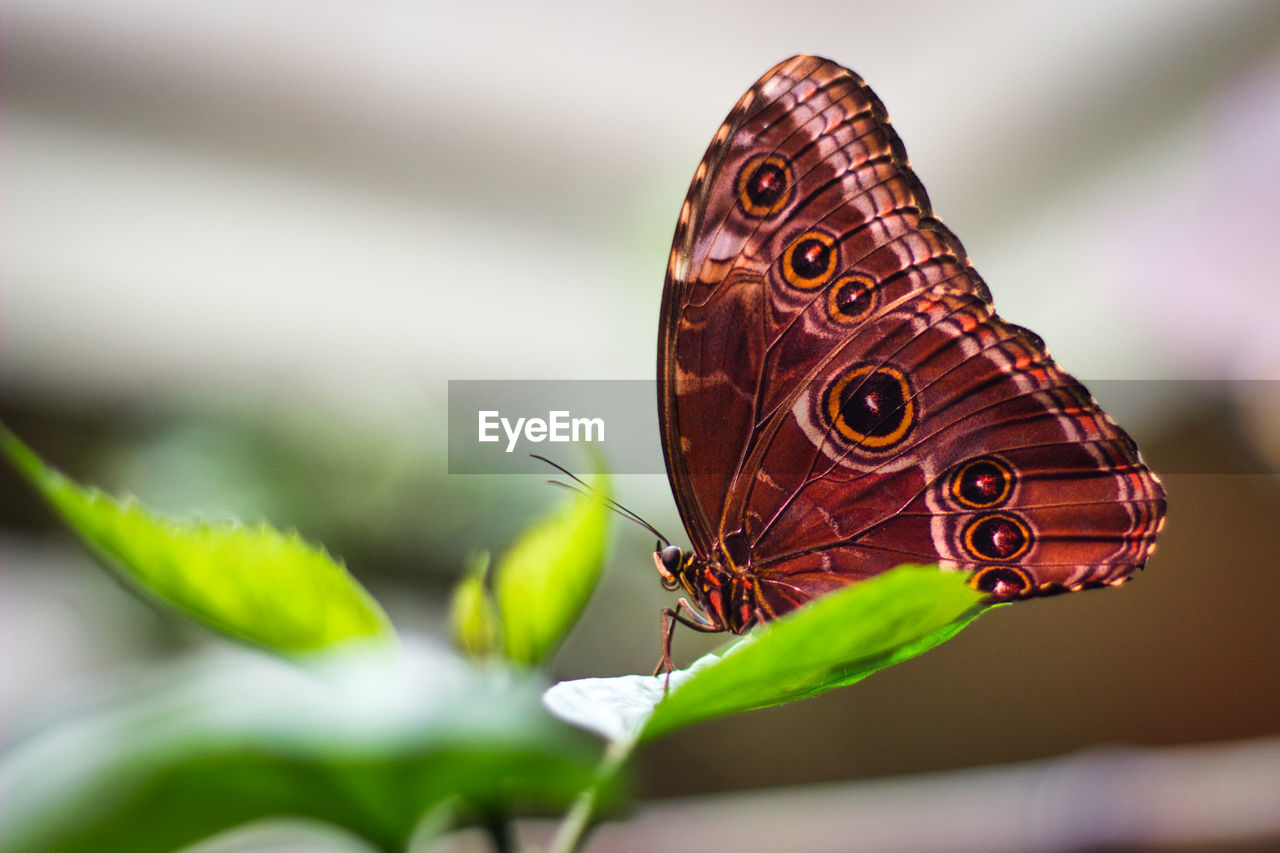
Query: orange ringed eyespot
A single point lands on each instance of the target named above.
(810, 260)
(872, 407)
(1002, 582)
(996, 536)
(851, 299)
(981, 483)
(764, 185)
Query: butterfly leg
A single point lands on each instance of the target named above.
(670, 617)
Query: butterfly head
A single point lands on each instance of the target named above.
(670, 562)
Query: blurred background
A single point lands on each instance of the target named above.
(246, 244)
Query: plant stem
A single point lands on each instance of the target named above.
(572, 833)
(498, 825)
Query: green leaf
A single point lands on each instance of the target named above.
(544, 581)
(253, 583)
(834, 641)
(373, 743)
(473, 616)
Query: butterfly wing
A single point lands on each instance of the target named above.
(837, 395)
(780, 155)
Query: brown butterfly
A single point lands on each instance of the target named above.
(837, 395)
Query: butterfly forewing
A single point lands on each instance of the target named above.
(836, 393)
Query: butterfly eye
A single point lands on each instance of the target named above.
(671, 558)
(1001, 581)
(873, 408)
(851, 299)
(764, 185)
(982, 483)
(998, 536)
(810, 260)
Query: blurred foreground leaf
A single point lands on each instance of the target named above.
(836, 640)
(371, 743)
(544, 580)
(473, 617)
(254, 583)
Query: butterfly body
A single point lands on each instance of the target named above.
(837, 395)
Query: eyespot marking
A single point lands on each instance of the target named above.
(851, 299)
(764, 185)
(982, 483)
(996, 536)
(872, 407)
(810, 261)
(1002, 582)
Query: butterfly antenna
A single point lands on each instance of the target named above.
(581, 488)
(610, 503)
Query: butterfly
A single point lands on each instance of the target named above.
(837, 395)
